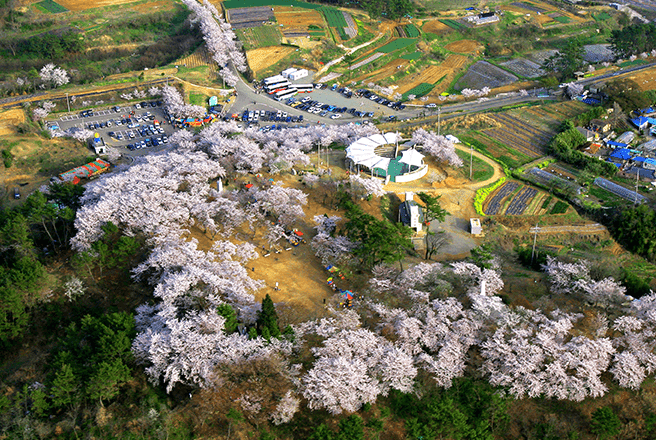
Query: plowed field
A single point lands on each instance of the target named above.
(294, 19)
(201, 57)
(436, 27)
(263, 57)
(464, 46)
(9, 120)
(387, 71)
(447, 70)
(645, 79)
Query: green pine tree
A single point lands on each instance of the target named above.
(268, 318)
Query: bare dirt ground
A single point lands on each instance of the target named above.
(646, 79)
(9, 120)
(464, 46)
(448, 69)
(158, 5)
(436, 27)
(81, 5)
(261, 58)
(294, 19)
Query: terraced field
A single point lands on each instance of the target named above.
(495, 203)
(519, 135)
(520, 202)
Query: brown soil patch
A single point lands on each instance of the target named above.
(161, 5)
(447, 70)
(81, 5)
(387, 71)
(263, 57)
(9, 120)
(646, 79)
(436, 27)
(297, 20)
(464, 46)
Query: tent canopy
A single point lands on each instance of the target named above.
(362, 152)
(412, 157)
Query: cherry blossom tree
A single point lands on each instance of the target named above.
(364, 187)
(331, 249)
(53, 75)
(42, 112)
(175, 105)
(437, 146)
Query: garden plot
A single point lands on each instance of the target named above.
(524, 67)
(542, 56)
(646, 79)
(598, 53)
(298, 20)
(519, 135)
(493, 206)
(429, 75)
(520, 202)
(483, 74)
(248, 17)
(367, 60)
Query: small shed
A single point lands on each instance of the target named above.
(287, 72)
(410, 213)
(475, 226)
(640, 122)
(589, 135)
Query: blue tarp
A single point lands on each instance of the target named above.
(647, 110)
(639, 159)
(651, 162)
(616, 144)
(591, 101)
(639, 122)
(621, 153)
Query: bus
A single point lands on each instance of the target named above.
(304, 88)
(284, 94)
(274, 79)
(276, 87)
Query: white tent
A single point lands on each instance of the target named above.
(362, 152)
(412, 157)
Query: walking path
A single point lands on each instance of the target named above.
(349, 51)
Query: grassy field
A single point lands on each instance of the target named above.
(50, 6)
(412, 56)
(500, 152)
(481, 170)
(420, 90)
(397, 44)
(261, 36)
(196, 98)
(233, 4)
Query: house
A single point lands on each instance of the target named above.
(410, 213)
(626, 137)
(640, 122)
(600, 125)
(643, 173)
(589, 135)
(614, 144)
(475, 226)
(619, 155)
(649, 111)
(649, 164)
(483, 18)
(98, 145)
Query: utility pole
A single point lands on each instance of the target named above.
(471, 160)
(439, 121)
(535, 239)
(68, 103)
(636, 190)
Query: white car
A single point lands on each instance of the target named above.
(335, 116)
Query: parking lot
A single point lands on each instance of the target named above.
(129, 125)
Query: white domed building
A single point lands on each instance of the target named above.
(382, 155)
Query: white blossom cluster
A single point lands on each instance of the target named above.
(475, 93)
(220, 40)
(331, 249)
(364, 187)
(42, 112)
(53, 75)
(437, 146)
(175, 105)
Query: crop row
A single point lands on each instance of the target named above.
(512, 141)
(520, 202)
(494, 206)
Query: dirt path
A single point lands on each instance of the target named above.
(349, 50)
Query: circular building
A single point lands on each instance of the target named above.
(381, 155)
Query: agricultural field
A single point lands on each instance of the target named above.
(645, 79)
(81, 5)
(441, 75)
(262, 58)
(524, 67)
(597, 53)
(419, 90)
(50, 6)
(519, 135)
(256, 37)
(399, 43)
(295, 20)
(464, 46)
(436, 27)
(234, 4)
(483, 74)
(513, 198)
(501, 152)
